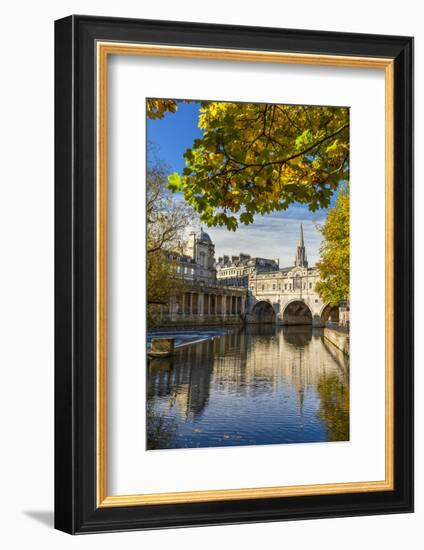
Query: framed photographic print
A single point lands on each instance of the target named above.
(234, 274)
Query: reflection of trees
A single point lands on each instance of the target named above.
(334, 406)
(161, 430)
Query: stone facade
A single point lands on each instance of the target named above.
(246, 289)
(206, 304)
(235, 271)
(206, 301)
(288, 296)
(201, 250)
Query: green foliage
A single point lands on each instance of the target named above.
(156, 108)
(163, 283)
(333, 267)
(259, 158)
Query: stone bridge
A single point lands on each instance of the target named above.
(289, 296)
(290, 310)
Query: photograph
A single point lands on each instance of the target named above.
(233, 253)
(247, 273)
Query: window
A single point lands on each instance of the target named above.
(273, 287)
(285, 287)
(298, 282)
(263, 287)
(310, 285)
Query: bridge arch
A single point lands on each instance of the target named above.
(297, 312)
(263, 312)
(330, 314)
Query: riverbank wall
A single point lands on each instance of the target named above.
(338, 339)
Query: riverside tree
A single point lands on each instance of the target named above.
(167, 220)
(333, 266)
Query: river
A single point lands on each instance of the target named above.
(256, 385)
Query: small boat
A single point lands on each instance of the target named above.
(162, 347)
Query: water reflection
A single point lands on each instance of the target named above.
(258, 385)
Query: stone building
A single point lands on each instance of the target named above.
(185, 266)
(202, 252)
(245, 289)
(205, 300)
(288, 295)
(235, 271)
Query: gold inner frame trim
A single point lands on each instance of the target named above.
(104, 49)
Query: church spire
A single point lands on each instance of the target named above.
(301, 242)
(300, 259)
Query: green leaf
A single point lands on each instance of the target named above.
(246, 218)
(174, 181)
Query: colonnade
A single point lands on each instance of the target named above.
(208, 303)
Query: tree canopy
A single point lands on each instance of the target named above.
(333, 267)
(256, 158)
(156, 108)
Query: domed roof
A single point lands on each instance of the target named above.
(204, 237)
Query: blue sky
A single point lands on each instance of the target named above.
(271, 236)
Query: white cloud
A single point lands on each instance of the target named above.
(272, 236)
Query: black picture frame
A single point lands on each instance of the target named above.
(76, 510)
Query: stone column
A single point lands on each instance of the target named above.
(200, 303)
(172, 307)
(224, 305)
